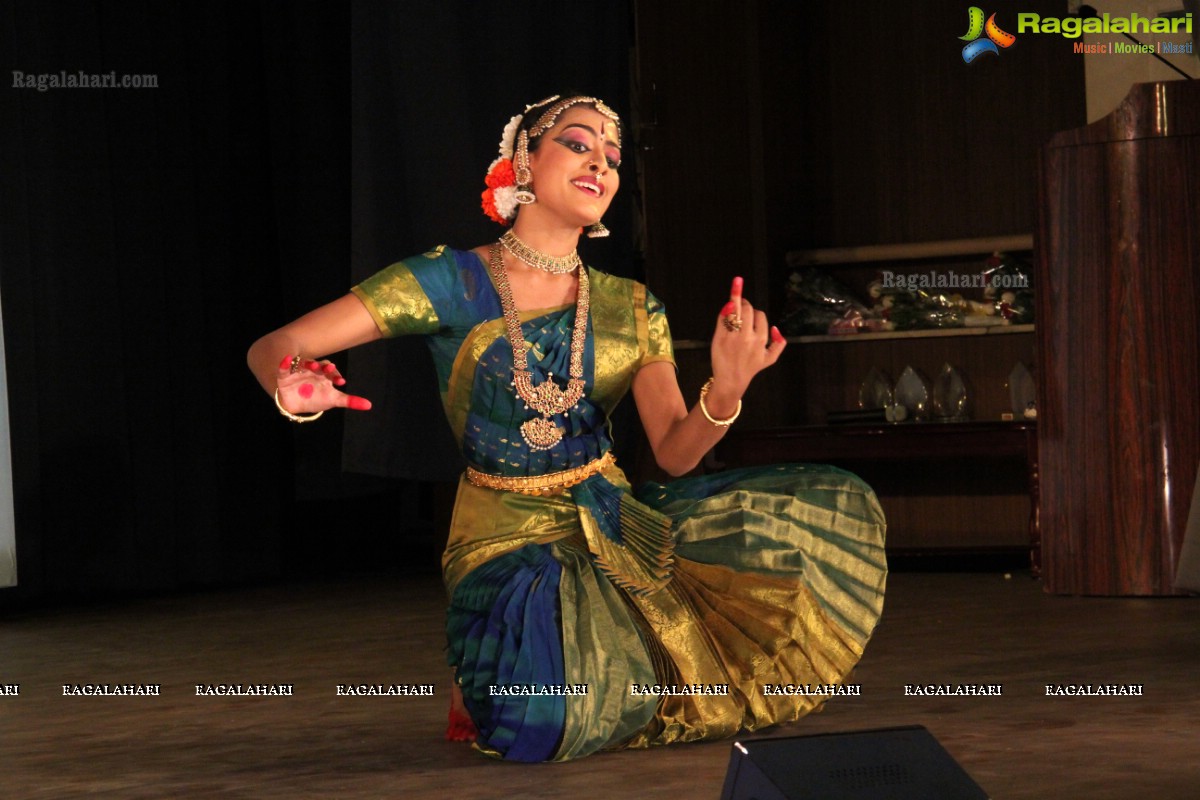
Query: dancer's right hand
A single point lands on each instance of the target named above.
(307, 386)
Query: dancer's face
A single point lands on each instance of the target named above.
(575, 165)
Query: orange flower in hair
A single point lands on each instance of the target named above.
(501, 174)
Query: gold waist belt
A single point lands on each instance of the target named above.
(548, 484)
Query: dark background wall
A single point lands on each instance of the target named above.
(785, 126)
(148, 236)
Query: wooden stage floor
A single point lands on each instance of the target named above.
(938, 628)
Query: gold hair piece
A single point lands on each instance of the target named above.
(547, 120)
(720, 423)
(549, 99)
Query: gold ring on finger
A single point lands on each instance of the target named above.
(295, 364)
(732, 322)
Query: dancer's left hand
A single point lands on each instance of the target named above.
(743, 345)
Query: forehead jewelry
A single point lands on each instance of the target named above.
(547, 399)
(551, 115)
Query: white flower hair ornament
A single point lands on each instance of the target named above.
(500, 196)
(509, 139)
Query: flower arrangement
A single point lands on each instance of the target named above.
(500, 196)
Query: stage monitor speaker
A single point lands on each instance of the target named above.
(1187, 574)
(886, 764)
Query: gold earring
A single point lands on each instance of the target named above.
(597, 230)
(521, 171)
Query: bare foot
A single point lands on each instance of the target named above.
(460, 727)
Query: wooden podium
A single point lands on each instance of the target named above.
(1118, 332)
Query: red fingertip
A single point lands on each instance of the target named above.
(340, 382)
(728, 309)
(776, 335)
(305, 390)
(330, 368)
(286, 363)
(736, 291)
(359, 404)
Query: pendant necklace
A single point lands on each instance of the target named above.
(542, 433)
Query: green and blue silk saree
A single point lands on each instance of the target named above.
(597, 618)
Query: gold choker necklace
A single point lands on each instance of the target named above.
(546, 399)
(556, 265)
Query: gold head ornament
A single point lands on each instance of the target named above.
(550, 116)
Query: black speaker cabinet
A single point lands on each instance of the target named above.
(885, 764)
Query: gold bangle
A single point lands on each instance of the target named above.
(295, 417)
(720, 423)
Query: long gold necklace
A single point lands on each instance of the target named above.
(555, 265)
(541, 433)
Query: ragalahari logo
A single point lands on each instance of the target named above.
(976, 27)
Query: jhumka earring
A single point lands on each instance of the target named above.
(597, 230)
(524, 177)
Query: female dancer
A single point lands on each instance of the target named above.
(583, 617)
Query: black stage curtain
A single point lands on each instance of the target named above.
(149, 235)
